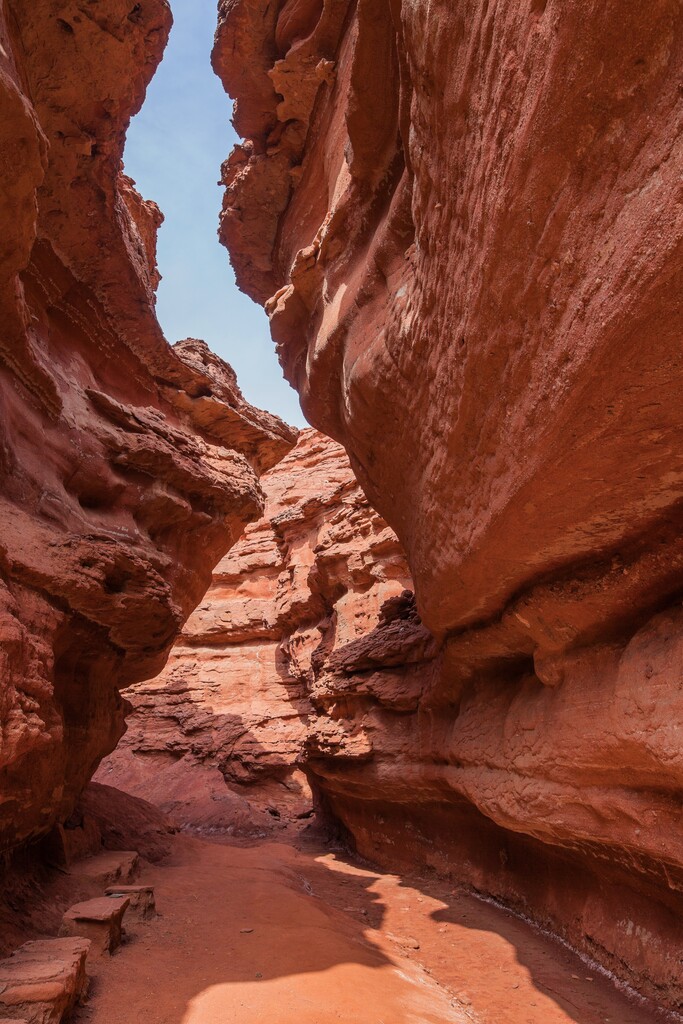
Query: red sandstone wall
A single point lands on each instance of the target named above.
(304, 625)
(256, 687)
(127, 468)
(465, 223)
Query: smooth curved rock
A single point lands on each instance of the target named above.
(465, 223)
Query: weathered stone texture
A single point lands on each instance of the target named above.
(127, 467)
(305, 612)
(465, 222)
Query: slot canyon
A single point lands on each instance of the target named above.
(377, 721)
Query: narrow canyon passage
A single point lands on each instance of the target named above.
(444, 620)
(299, 934)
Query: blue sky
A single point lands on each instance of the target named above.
(174, 151)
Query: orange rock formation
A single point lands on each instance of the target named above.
(307, 622)
(127, 468)
(465, 222)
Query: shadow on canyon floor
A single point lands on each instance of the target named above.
(232, 915)
(266, 931)
(491, 960)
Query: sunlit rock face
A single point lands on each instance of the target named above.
(465, 222)
(127, 467)
(305, 643)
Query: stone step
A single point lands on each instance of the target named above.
(42, 981)
(109, 867)
(99, 920)
(141, 897)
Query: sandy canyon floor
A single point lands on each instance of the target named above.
(296, 934)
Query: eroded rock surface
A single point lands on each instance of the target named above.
(465, 222)
(127, 467)
(308, 623)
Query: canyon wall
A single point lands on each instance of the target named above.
(127, 467)
(465, 223)
(308, 615)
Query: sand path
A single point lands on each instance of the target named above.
(270, 933)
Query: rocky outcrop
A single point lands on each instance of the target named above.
(466, 225)
(308, 622)
(127, 468)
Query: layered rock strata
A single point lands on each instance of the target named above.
(127, 467)
(308, 621)
(465, 222)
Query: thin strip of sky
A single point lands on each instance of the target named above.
(175, 147)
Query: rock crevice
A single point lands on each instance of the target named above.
(309, 612)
